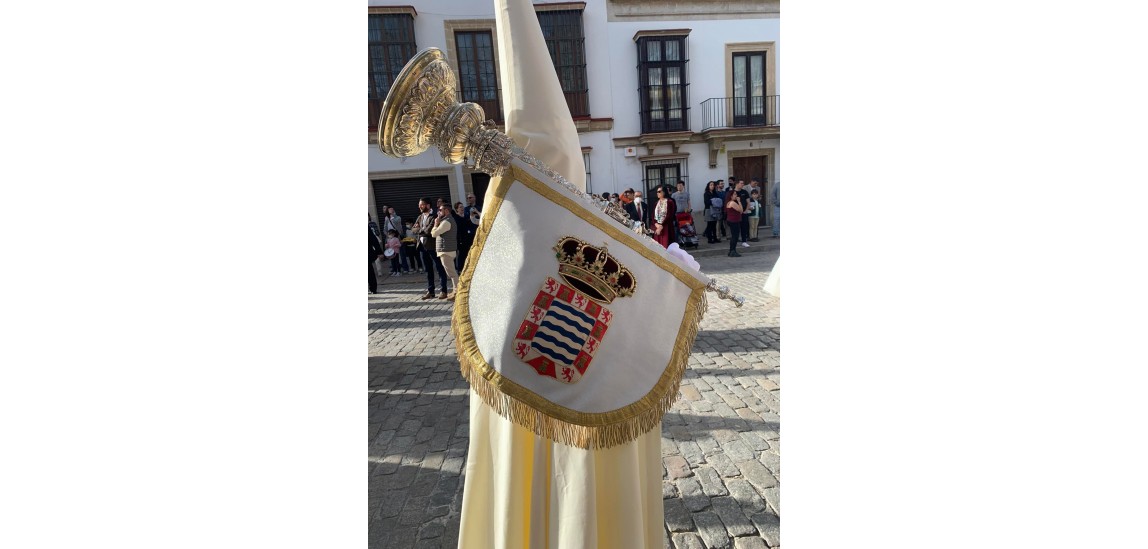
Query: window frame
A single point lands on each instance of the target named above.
(390, 66)
(492, 107)
(658, 118)
(677, 166)
(568, 55)
(748, 110)
(772, 99)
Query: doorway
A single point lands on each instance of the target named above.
(749, 167)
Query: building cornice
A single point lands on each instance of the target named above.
(690, 10)
(672, 156)
(386, 10)
(560, 6)
(661, 32)
(585, 124)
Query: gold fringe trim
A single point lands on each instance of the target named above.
(585, 430)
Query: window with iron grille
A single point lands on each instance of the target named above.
(663, 88)
(563, 32)
(390, 44)
(664, 172)
(478, 83)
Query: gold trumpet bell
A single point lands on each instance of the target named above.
(421, 110)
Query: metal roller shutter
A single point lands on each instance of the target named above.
(403, 194)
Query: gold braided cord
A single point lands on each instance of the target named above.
(589, 430)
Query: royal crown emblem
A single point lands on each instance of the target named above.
(567, 320)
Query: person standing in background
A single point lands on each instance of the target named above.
(682, 199)
(446, 237)
(720, 190)
(471, 209)
(640, 208)
(744, 194)
(374, 250)
(410, 246)
(393, 247)
(662, 219)
(627, 200)
(776, 209)
(754, 214)
(427, 247)
(711, 211)
(466, 230)
(378, 236)
(374, 227)
(392, 222)
(733, 211)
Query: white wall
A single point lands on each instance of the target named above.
(705, 69)
(706, 75)
(611, 65)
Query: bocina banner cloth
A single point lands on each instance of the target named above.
(576, 328)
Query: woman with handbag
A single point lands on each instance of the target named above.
(711, 214)
(733, 213)
(664, 219)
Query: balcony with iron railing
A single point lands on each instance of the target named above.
(741, 112)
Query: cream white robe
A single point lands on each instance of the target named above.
(773, 281)
(522, 490)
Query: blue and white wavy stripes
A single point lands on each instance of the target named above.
(562, 332)
(570, 314)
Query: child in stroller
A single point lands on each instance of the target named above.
(687, 236)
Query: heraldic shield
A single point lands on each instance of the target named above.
(567, 321)
(568, 324)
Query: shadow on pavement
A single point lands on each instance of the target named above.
(399, 316)
(403, 302)
(738, 340)
(693, 425)
(409, 503)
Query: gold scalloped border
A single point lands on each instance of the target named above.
(588, 430)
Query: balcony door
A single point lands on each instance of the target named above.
(749, 88)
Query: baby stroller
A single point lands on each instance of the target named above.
(687, 236)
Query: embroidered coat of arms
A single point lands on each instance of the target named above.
(568, 320)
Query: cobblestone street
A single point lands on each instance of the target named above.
(720, 442)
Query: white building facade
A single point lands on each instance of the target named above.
(661, 91)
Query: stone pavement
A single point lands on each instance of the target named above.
(720, 441)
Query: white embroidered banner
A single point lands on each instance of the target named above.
(581, 329)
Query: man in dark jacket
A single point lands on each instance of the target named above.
(426, 246)
(374, 250)
(628, 205)
(466, 231)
